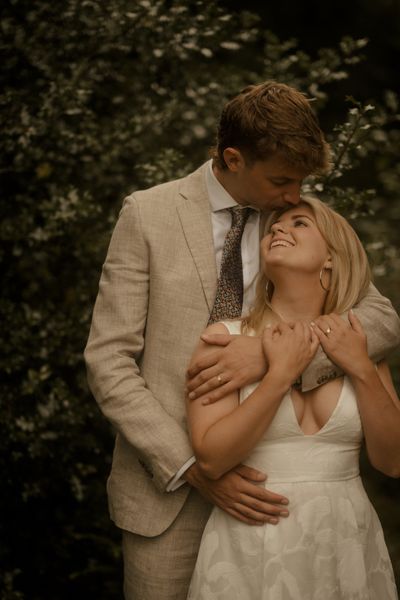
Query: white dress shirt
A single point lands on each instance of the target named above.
(221, 221)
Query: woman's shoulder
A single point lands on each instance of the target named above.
(232, 325)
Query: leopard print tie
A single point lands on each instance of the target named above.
(229, 298)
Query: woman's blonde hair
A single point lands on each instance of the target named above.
(350, 275)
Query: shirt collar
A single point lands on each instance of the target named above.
(220, 199)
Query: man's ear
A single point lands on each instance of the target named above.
(233, 159)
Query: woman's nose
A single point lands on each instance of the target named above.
(276, 227)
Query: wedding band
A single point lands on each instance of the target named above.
(327, 331)
(219, 379)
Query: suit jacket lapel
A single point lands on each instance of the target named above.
(195, 216)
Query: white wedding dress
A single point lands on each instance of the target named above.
(330, 547)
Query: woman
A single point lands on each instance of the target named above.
(331, 545)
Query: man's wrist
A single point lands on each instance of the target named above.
(193, 475)
(190, 474)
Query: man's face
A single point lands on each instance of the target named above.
(265, 184)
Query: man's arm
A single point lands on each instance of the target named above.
(239, 360)
(115, 344)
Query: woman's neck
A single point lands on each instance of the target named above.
(298, 299)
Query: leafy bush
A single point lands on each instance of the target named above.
(98, 99)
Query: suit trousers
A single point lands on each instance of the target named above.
(160, 568)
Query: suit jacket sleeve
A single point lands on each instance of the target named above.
(382, 326)
(115, 347)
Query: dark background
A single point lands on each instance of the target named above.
(98, 99)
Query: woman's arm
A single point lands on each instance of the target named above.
(382, 327)
(377, 316)
(380, 416)
(224, 433)
(377, 400)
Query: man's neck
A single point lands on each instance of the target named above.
(225, 178)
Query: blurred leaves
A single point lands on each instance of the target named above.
(98, 99)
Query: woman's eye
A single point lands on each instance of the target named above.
(299, 222)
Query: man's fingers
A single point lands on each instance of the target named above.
(216, 339)
(200, 365)
(205, 380)
(258, 493)
(267, 496)
(258, 517)
(266, 508)
(218, 393)
(250, 473)
(245, 519)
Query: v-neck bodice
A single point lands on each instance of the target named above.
(286, 453)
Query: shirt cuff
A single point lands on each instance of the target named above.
(176, 481)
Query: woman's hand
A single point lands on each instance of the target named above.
(289, 349)
(344, 343)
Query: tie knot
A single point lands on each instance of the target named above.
(239, 215)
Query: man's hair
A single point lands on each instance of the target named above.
(350, 274)
(268, 119)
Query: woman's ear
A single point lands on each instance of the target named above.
(328, 263)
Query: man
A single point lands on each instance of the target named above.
(164, 278)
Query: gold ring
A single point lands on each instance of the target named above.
(219, 379)
(327, 331)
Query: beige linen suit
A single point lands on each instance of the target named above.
(156, 292)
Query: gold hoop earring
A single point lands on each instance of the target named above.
(320, 281)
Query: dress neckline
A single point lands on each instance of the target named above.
(332, 415)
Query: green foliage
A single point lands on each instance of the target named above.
(97, 99)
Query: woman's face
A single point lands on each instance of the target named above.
(295, 242)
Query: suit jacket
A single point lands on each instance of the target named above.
(156, 292)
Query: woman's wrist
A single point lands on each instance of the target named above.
(277, 379)
(362, 371)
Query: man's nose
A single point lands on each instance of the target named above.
(292, 194)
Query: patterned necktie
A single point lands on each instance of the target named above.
(229, 297)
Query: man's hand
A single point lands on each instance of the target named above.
(238, 494)
(237, 361)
